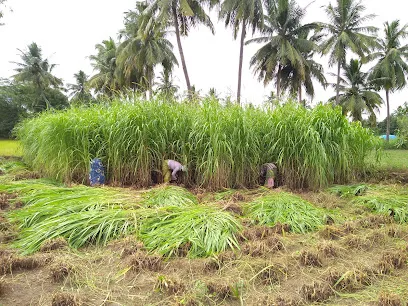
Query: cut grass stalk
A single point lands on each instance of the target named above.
(202, 230)
(168, 196)
(285, 208)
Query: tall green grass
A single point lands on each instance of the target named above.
(285, 208)
(223, 146)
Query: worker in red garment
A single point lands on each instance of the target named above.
(269, 174)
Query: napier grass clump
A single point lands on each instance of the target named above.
(222, 146)
(285, 208)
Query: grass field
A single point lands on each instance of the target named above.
(9, 148)
(394, 159)
(346, 245)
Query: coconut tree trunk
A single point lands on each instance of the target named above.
(241, 58)
(300, 94)
(338, 83)
(387, 96)
(183, 60)
(278, 85)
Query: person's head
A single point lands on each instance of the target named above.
(184, 168)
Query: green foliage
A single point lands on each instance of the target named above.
(285, 208)
(105, 81)
(84, 215)
(80, 93)
(387, 201)
(38, 73)
(222, 146)
(288, 49)
(402, 140)
(356, 95)
(350, 190)
(168, 196)
(203, 230)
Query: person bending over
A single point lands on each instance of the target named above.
(170, 170)
(269, 174)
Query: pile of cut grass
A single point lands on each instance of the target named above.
(348, 190)
(166, 219)
(395, 205)
(285, 208)
(197, 231)
(387, 200)
(223, 146)
(168, 195)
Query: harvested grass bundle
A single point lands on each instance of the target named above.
(80, 215)
(44, 201)
(205, 229)
(96, 226)
(285, 208)
(350, 190)
(387, 200)
(168, 196)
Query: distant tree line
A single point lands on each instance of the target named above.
(287, 56)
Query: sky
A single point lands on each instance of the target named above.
(68, 31)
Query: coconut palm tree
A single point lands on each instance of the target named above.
(286, 45)
(79, 91)
(346, 31)
(357, 96)
(144, 47)
(182, 15)
(165, 85)
(391, 69)
(35, 70)
(106, 80)
(242, 15)
(293, 81)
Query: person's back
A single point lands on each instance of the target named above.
(269, 173)
(170, 169)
